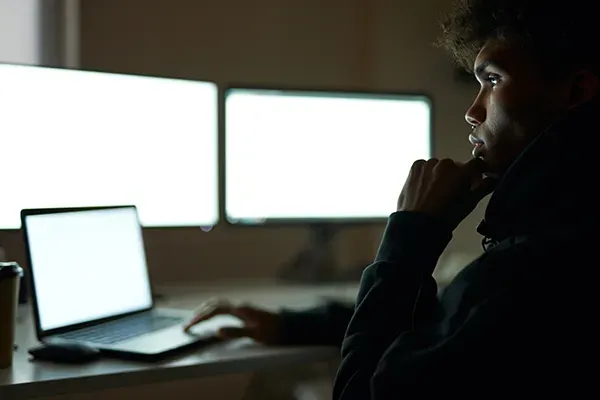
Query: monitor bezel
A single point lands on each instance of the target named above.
(308, 90)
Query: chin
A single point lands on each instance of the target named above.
(490, 169)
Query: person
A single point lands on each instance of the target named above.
(519, 318)
(519, 315)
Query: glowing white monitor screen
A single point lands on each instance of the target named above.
(78, 138)
(87, 265)
(304, 155)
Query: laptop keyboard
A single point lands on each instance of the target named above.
(120, 330)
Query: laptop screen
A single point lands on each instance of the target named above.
(87, 265)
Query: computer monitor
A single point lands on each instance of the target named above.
(320, 157)
(71, 138)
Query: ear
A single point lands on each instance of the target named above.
(584, 87)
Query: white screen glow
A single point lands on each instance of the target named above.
(87, 265)
(321, 156)
(78, 138)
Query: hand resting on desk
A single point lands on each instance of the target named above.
(255, 323)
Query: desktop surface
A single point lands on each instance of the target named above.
(27, 379)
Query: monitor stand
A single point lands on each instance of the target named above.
(316, 263)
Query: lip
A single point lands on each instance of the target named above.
(475, 141)
(477, 151)
(477, 146)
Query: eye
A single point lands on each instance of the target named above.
(493, 79)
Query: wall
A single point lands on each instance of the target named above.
(18, 19)
(379, 44)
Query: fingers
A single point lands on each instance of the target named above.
(415, 170)
(474, 167)
(418, 165)
(232, 332)
(246, 313)
(207, 311)
(430, 164)
(220, 307)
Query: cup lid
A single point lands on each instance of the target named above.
(10, 270)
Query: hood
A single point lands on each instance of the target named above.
(551, 184)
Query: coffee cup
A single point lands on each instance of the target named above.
(10, 279)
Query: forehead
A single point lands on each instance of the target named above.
(511, 59)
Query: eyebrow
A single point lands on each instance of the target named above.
(487, 63)
(481, 67)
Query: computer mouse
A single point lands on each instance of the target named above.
(65, 352)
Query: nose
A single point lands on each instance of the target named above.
(476, 114)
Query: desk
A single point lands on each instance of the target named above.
(37, 379)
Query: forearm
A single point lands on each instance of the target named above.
(400, 281)
(397, 294)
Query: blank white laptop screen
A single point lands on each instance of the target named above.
(87, 265)
(312, 155)
(80, 138)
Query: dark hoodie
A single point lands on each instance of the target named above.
(518, 316)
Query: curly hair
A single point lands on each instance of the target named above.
(562, 35)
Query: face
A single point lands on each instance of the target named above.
(515, 104)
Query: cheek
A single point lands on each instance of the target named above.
(500, 121)
(524, 110)
(506, 128)
(512, 109)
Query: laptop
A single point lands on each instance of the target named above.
(90, 284)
